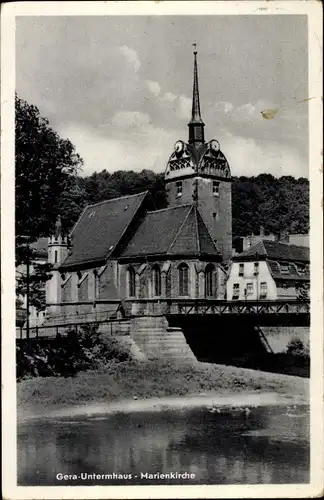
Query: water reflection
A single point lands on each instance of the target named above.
(266, 446)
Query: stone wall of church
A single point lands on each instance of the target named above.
(107, 282)
(216, 210)
(169, 272)
(83, 294)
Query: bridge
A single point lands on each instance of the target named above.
(194, 312)
(259, 312)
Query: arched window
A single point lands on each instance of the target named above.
(183, 279)
(156, 275)
(209, 280)
(131, 282)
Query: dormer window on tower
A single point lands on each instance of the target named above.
(179, 189)
(216, 188)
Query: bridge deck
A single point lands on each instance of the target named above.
(220, 307)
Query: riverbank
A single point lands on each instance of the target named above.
(135, 382)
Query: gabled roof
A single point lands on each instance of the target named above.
(172, 231)
(292, 273)
(100, 228)
(275, 250)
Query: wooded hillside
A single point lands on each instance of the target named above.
(275, 203)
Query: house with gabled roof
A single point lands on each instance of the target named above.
(269, 270)
(121, 249)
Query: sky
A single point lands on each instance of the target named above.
(120, 87)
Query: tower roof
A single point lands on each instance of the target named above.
(197, 156)
(195, 112)
(196, 125)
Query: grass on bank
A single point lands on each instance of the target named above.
(150, 379)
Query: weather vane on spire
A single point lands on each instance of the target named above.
(195, 47)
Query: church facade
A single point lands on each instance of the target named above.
(121, 249)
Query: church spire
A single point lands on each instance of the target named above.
(196, 125)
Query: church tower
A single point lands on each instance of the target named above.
(198, 172)
(57, 252)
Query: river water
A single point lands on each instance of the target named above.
(256, 446)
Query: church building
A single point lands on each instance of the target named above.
(121, 249)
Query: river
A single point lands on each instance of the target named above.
(262, 445)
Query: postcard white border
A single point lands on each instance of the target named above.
(312, 9)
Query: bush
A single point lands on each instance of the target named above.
(67, 355)
(297, 348)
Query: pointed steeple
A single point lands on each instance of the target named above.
(196, 125)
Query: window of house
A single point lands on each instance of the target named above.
(256, 268)
(131, 282)
(55, 256)
(241, 269)
(236, 290)
(284, 268)
(183, 279)
(179, 189)
(263, 289)
(156, 275)
(301, 269)
(215, 188)
(249, 289)
(209, 280)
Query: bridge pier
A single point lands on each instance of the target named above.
(157, 339)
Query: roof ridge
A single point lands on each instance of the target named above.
(101, 203)
(197, 231)
(209, 234)
(287, 244)
(114, 199)
(179, 230)
(127, 226)
(169, 208)
(264, 248)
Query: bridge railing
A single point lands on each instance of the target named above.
(168, 306)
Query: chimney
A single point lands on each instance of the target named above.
(261, 231)
(284, 236)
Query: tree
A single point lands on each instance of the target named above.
(276, 204)
(104, 186)
(31, 277)
(45, 165)
(45, 170)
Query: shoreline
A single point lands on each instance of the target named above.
(213, 402)
(155, 386)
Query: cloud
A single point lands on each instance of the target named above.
(169, 97)
(250, 157)
(129, 119)
(228, 106)
(143, 147)
(153, 87)
(131, 56)
(184, 107)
